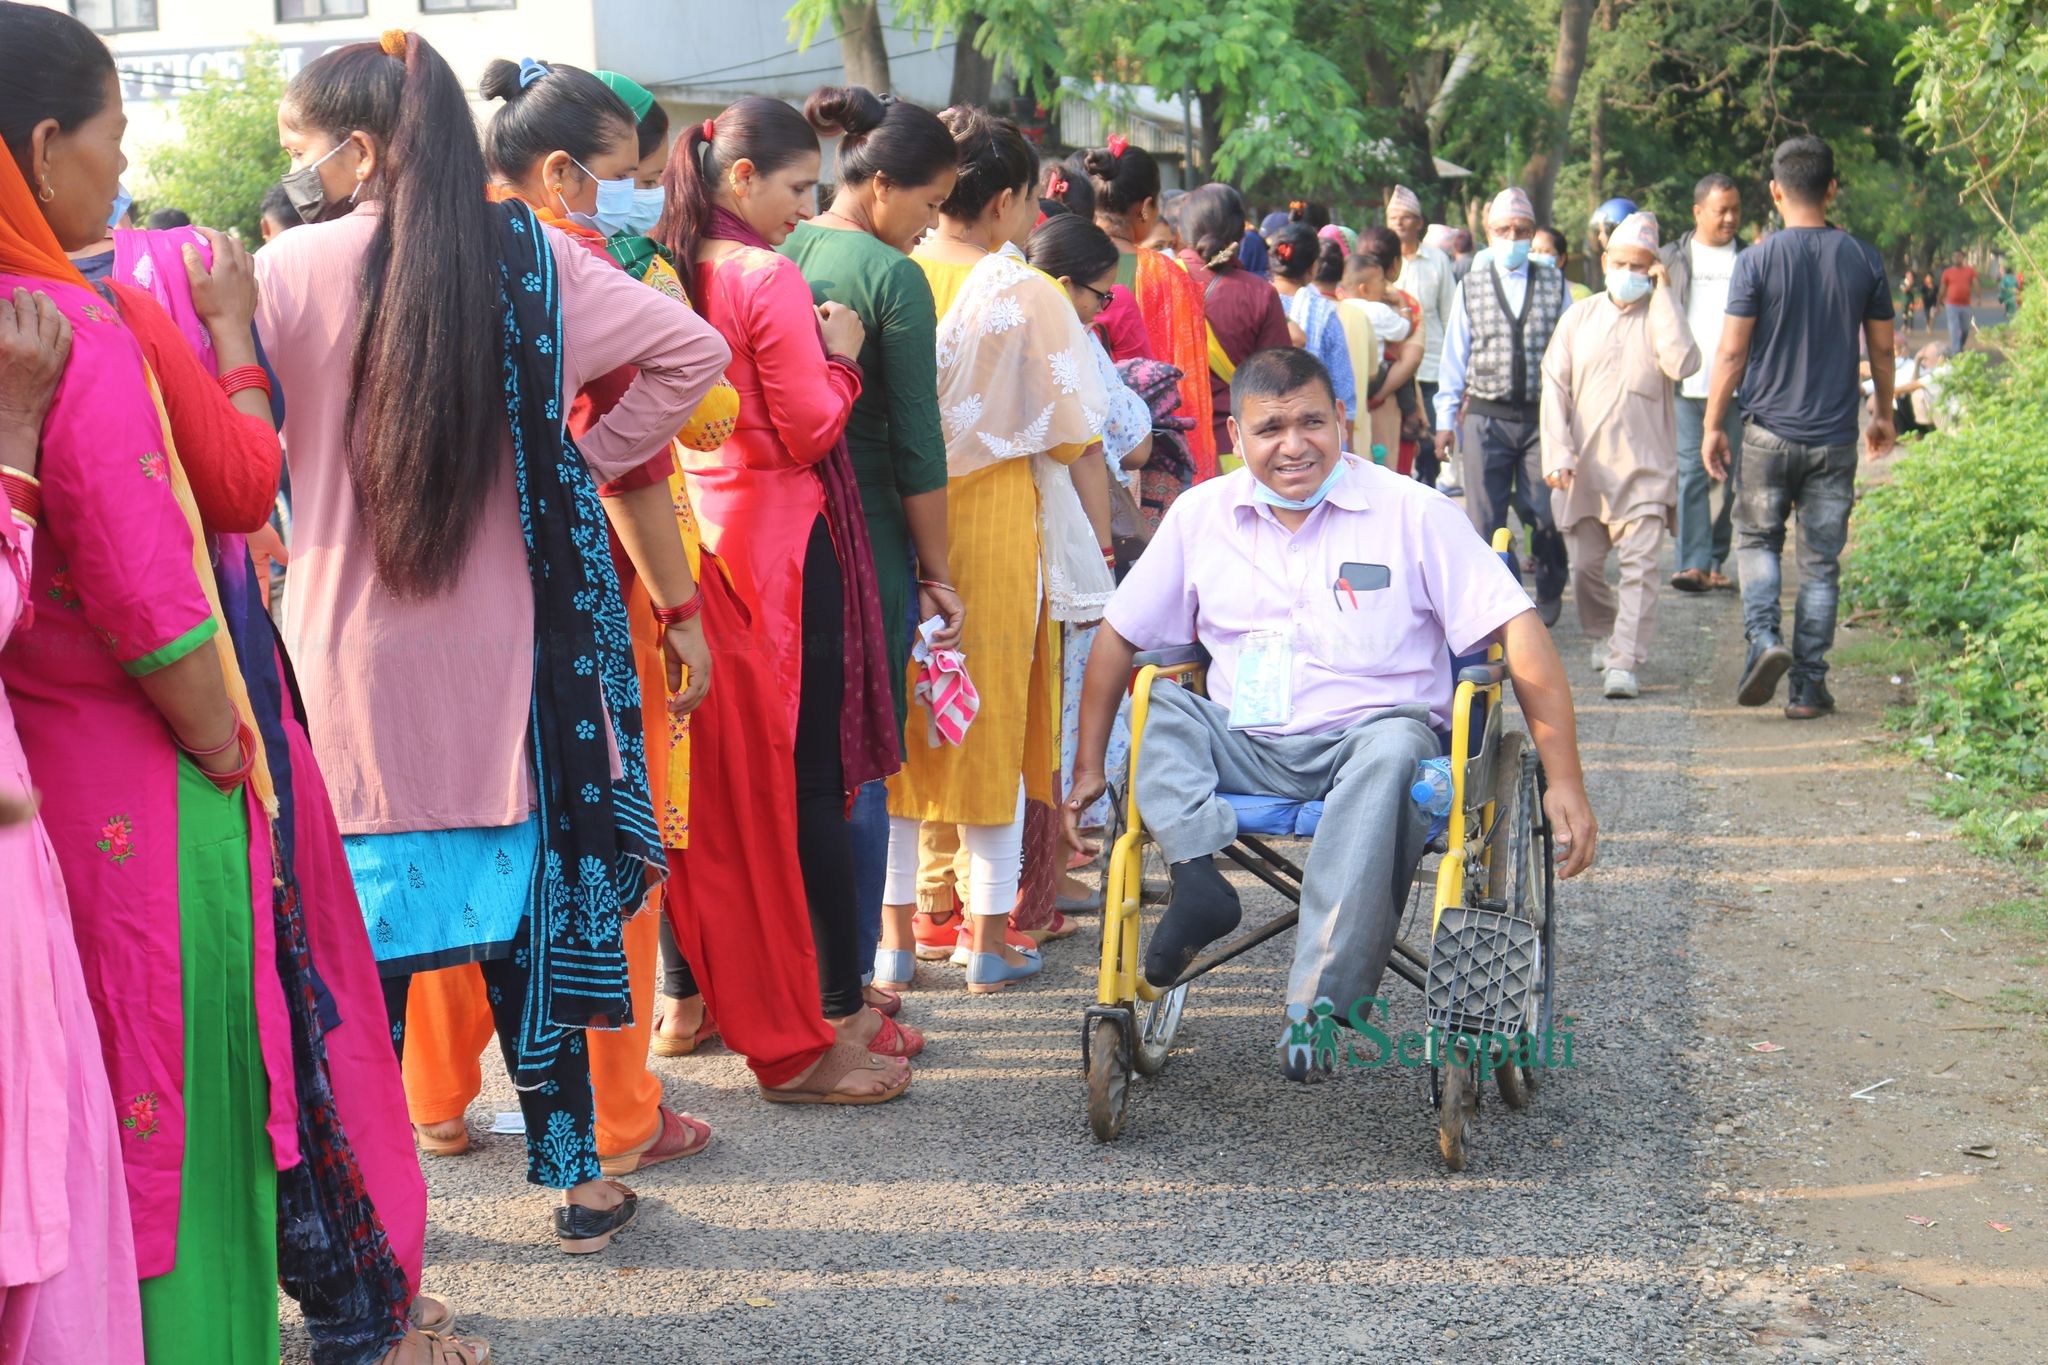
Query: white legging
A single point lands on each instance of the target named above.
(995, 862)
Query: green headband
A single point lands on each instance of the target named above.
(631, 91)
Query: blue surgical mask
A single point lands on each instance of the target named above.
(614, 204)
(1511, 255)
(123, 201)
(1626, 286)
(1542, 258)
(645, 213)
(1272, 499)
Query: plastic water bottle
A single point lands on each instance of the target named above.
(1432, 792)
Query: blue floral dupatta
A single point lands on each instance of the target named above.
(598, 838)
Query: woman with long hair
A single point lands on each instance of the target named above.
(1168, 301)
(564, 142)
(1023, 402)
(484, 751)
(779, 500)
(895, 165)
(1244, 314)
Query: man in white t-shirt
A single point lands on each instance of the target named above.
(1700, 265)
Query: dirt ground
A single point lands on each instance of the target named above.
(1872, 1055)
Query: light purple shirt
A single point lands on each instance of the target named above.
(1221, 567)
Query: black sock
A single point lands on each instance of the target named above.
(1203, 908)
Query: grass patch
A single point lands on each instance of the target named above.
(2020, 1000)
(1885, 652)
(2026, 916)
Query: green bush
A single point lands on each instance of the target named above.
(1954, 550)
(226, 154)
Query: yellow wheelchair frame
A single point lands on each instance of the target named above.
(1496, 826)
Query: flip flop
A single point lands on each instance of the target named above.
(441, 1146)
(841, 1060)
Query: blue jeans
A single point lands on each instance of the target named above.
(1958, 316)
(1776, 480)
(1704, 536)
(869, 832)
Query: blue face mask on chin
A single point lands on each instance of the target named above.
(1512, 255)
(1273, 499)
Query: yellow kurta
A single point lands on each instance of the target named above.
(1010, 642)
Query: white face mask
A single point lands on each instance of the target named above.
(645, 213)
(1626, 285)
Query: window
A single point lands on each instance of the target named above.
(458, 6)
(299, 11)
(115, 16)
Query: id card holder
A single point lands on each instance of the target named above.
(1262, 691)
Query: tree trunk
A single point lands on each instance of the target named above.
(1539, 174)
(1211, 104)
(860, 45)
(1596, 156)
(974, 75)
(1387, 87)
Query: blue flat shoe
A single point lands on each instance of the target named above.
(895, 969)
(988, 973)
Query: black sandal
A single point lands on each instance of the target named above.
(584, 1230)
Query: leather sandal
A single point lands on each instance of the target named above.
(582, 1231)
(889, 1006)
(675, 1044)
(1060, 927)
(441, 1146)
(675, 1136)
(841, 1060)
(895, 1040)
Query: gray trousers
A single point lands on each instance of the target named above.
(1366, 846)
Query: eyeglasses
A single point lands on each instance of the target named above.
(1101, 295)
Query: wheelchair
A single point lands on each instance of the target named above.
(1489, 968)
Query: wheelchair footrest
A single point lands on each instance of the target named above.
(1483, 968)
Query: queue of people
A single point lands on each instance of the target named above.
(694, 621)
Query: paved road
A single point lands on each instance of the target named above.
(1239, 1216)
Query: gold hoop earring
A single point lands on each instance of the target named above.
(46, 194)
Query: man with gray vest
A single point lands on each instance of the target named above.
(1492, 372)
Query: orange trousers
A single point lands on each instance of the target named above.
(448, 1026)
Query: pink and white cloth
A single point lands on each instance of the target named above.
(943, 688)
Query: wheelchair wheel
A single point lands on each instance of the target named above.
(1109, 1079)
(1162, 1022)
(1521, 878)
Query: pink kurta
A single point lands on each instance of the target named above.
(116, 596)
(758, 495)
(67, 1253)
(419, 710)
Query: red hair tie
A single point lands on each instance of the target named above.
(1118, 143)
(1057, 185)
(710, 129)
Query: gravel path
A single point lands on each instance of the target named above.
(1238, 1216)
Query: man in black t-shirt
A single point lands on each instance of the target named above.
(1795, 307)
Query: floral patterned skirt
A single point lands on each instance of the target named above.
(440, 897)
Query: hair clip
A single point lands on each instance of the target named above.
(1057, 186)
(710, 129)
(392, 41)
(1118, 145)
(531, 71)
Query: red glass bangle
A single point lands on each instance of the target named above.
(242, 377)
(675, 616)
(23, 492)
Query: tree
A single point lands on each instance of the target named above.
(1539, 176)
(227, 156)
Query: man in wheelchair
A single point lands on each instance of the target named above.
(1330, 594)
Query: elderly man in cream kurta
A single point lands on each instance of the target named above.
(1610, 444)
